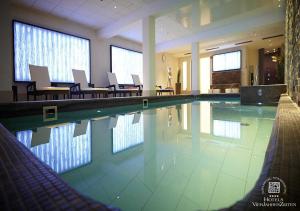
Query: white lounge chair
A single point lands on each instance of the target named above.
(116, 88)
(160, 90)
(137, 82)
(41, 84)
(81, 86)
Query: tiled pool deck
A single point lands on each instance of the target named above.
(282, 158)
(26, 183)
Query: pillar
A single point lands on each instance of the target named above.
(149, 78)
(195, 69)
(195, 49)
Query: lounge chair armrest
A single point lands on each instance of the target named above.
(112, 86)
(75, 87)
(31, 86)
(139, 86)
(91, 85)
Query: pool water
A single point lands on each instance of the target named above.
(203, 155)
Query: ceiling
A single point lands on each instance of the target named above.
(174, 24)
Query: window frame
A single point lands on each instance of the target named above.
(110, 56)
(217, 71)
(53, 30)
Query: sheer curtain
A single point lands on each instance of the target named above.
(59, 52)
(227, 61)
(126, 62)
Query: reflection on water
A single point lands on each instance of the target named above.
(128, 131)
(182, 157)
(62, 147)
(227, 129)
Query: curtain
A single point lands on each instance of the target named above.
(59, 52)
(126, 62)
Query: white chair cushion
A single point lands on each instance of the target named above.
(228, 90)
(112, 79)
(80, 78)
(52, 88)
(136, 80)
(94, 89)
(40, 75)
(235, 90)
(216, 91)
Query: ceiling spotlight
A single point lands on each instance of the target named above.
(115, 6)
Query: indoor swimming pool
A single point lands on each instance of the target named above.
(201, 155)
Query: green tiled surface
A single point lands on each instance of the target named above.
(177, 167)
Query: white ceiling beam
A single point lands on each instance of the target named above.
(246, 22)
(153, 9)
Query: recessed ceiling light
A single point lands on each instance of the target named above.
(115, 6)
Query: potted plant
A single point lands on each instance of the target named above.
(178, 84)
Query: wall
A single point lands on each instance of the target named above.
(100, 52)
(162, 66)
(5, 52)
(292, 44)
(252, 62)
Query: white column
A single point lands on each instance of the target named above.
(149, 77)
(195, 69)
(195, 49)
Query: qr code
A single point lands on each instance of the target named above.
(274, 187)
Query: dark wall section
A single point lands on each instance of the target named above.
(268, 67)
(226, 77)
(263, 94)
(292, 45)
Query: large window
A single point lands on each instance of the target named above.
(227, 61)
(125, 62)
(43, 47)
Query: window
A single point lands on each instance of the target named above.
(227, 61)
(125, 62)
(43, 47)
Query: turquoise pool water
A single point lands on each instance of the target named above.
(202, 155)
